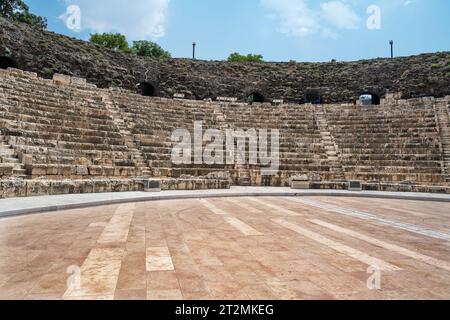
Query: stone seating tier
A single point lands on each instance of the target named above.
(67, 129)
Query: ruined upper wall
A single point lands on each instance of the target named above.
(47, 53)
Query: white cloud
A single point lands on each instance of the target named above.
(137, 19)
(408, 2)
(296, 17)
(340, 15)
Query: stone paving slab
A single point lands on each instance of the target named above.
(18, 206)
(216, 248)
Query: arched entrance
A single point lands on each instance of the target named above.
(375, 99)
(313, 96)
(7, 62)
(255, 97)
(147, 89)
(368, 98)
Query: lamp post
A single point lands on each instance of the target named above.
(193, 50)
(392, 48)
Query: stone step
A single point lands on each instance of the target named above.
(9, 160)
(6, 152)
(141, 165)
(19, 171)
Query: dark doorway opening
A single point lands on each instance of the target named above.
(368, 98)
(7, 62)
(148, 89)
(255, 97)
(194, 96)
(375, 99)
(266, 181)
(313, 97)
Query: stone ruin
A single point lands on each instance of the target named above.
(65, 135)
(48, 53)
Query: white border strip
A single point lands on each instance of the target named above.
(19, 206)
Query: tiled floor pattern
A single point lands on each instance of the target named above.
(238, 248)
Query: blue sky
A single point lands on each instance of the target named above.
(280, 30)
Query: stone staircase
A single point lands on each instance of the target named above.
(9, 161)
(329, 143)
(243, 172)
(442, 113)
(125, 131)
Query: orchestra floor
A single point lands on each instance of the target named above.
(231, 248)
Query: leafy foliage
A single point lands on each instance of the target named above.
(18, 10)
(115, 41)
(149, 49)
(236, 57)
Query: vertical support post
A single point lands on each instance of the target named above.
(392, 48)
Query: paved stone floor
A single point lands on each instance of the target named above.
(231, 248)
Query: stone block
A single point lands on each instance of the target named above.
(354, 185)
(37, 170)
(13, 188)
(95, 171)
(38, 188)
(152, 185)
(66, 187)
(300, 182)
(61, 79)
(82, 170)
(25, 159)
(6, 169)
(78, 81)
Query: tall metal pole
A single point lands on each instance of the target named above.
(392, 48)
(193, 50)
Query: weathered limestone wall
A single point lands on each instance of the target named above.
(31, 188)
(48, 53)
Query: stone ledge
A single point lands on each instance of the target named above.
(39, 204)
(62, 79)
(30, 188)
(20, 73)
(388, 187)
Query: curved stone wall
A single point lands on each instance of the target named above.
(48, 53)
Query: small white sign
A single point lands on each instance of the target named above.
(226, 99)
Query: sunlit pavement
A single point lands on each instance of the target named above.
(231, 248)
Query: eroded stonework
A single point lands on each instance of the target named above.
(48, 53)
(67, 136)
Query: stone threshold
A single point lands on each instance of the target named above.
(40, 204)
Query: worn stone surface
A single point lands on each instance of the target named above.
(10, 188)
(66, 129)
(183, 249)
(48, 53)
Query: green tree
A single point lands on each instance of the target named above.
(18, 10)
(115, 41)
(149, 49)
(236, 57)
